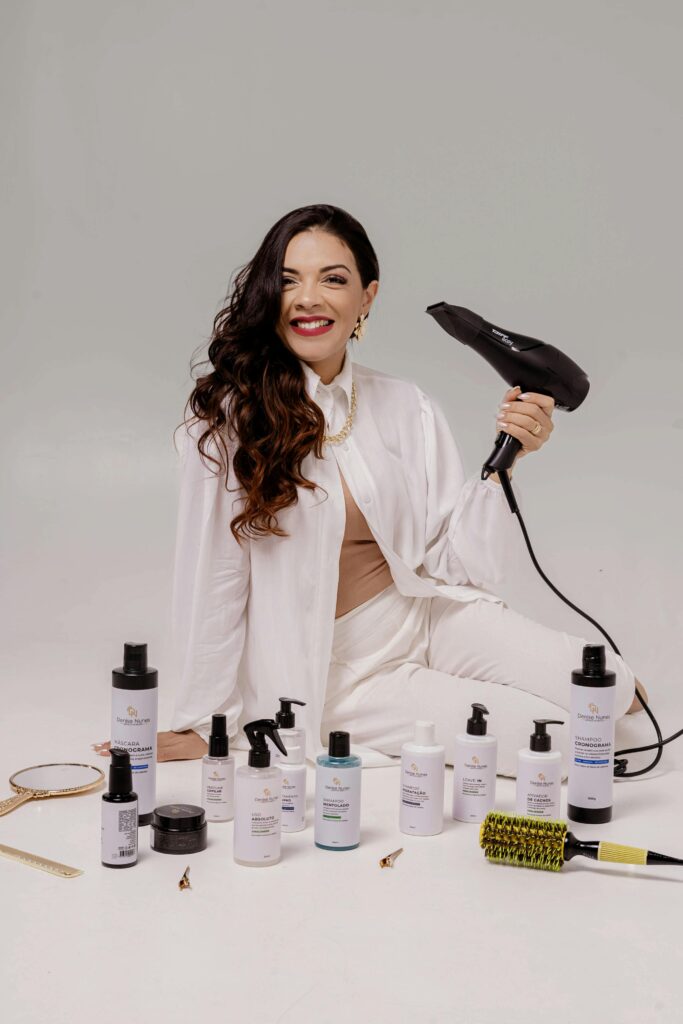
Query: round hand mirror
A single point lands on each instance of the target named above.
(45, 780)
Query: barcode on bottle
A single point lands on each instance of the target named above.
(126, 853)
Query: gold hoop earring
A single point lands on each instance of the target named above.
(359, 329)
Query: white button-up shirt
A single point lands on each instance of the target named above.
(254, 622)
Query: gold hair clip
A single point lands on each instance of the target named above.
(184, 882)
(388, 861)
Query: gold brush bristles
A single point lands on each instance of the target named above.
(525, 842)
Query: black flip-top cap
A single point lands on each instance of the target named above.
(594, 659)
(476, 725)
(339, 744)
(120, 772)
(135, 673)
(218, 740)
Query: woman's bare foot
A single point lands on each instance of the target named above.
(636, 705)
(171, 746)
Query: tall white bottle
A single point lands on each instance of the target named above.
(218, 774)
(134, 701)
(591, 741)
(474, 769)
(539, 774)
(423, 769)
(258, 800)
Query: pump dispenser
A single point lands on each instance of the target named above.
(119, 833)
(285, 719)
(258, 795)
(539, 774)
(218, 774)
(134, 699)
(474, 769)
(591, 739)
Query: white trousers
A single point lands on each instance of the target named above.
(397, 659)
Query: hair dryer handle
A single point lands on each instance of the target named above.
(503, 454)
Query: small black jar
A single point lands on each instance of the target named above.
(178, 828)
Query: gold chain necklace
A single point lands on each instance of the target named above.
(346, 429)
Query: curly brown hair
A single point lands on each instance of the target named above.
(257, 385)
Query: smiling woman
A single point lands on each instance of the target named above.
(329, 542)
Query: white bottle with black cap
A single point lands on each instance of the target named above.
(218, 774)
(119, 832)
(474, 769)
(423, 769)
(291, 736)
(258, 800)
(134, 699)
(539, 774)
(591, 739)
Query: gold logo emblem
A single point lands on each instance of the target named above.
(133, 712)
(541, 776)
(266, 792)
(337, 781)
(475, 759)
(593, 708)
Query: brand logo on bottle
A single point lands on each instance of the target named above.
(475, 759)
(413, 767)
(541, 776)
(593, 714)
(215, 775)
(285, 780)
(266, 791)
(133, 712)
(336, 781)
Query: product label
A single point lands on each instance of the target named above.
(422, 784)
(591, 746)
(134, 728)
(119, 832)
(541, 798)
(293, 797)
(258, 814)
(474, 779)
(337, 805)
(217, 789)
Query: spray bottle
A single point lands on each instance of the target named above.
(134, 699)
(218, 774)
(591, 741)
(258, 795)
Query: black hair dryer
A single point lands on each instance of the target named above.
(533, 364)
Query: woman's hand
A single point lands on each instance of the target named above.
(171, 746)
(528, 417)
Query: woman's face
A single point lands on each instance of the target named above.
(320, 281)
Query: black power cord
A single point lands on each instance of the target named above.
(620, 762)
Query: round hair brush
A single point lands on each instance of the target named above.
(546, 844)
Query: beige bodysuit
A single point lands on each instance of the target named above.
(363, 569)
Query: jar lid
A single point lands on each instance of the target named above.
(178, 818)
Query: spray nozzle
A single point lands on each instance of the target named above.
(285, 718)
(476, 725)
(256, 732)
(539, 740)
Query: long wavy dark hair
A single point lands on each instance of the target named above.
(256, 386)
